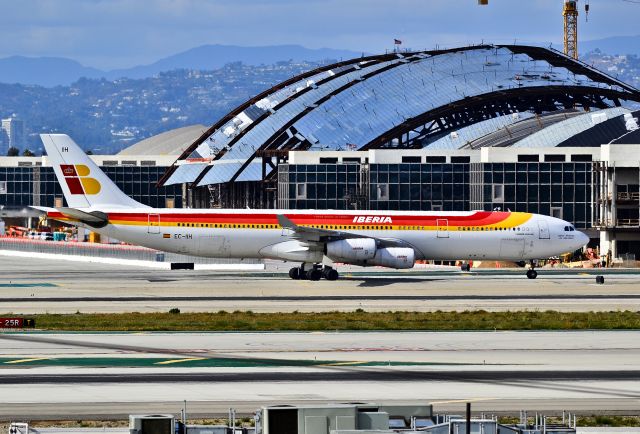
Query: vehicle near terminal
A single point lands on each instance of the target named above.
(316, 239)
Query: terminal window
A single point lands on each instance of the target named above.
(498, 192)
(301, 190)
(383, 191)
(556, 212)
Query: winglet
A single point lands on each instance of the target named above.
(286, 223)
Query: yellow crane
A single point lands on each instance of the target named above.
(570, 14)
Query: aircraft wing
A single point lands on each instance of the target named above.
(316, 235)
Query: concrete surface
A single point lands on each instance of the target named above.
(37, 286)
(104, 375)
(585, 371)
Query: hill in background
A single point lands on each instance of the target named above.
(54, 71)
(105, 115)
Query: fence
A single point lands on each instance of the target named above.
(118, 251)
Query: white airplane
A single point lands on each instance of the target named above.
(316, 239)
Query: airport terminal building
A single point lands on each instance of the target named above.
(482, 127)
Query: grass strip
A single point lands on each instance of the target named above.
(323, 321)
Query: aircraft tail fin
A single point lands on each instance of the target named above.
(83, 183)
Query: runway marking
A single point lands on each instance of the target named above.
(343, 363)
(26, 360)
(169, 362)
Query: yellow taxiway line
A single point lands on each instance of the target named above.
(11, 362)
(169, 362)
(342, 363)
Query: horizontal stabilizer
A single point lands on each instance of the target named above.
(96, 219)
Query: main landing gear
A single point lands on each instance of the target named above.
(316, 272)
(531, 272)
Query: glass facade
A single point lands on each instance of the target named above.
(406, 186)
(35, 185)
(559, 189)
(321, 186)
(419, 186)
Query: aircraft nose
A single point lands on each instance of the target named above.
(582, 239)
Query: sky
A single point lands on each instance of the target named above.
(109, 34)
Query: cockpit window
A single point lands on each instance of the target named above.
(569, 229)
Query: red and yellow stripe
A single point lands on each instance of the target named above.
(480, 220)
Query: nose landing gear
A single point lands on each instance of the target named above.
(531, 272)
(316, 272)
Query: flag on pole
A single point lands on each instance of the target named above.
(397, 41)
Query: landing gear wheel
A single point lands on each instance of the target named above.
(465, 267)
(295, 273)
(532, 274)
(314, 274)
(330, 274)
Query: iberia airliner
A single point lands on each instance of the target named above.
(316, 239)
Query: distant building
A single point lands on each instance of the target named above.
(13, 129)
(4, 143)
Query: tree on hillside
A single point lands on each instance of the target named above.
(13, 152)
(28, 153)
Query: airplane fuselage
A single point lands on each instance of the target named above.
(393, 239)
(473, 235)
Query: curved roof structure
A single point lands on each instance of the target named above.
(622, 128)
(404, 100)
(173, 142)
(559, 132)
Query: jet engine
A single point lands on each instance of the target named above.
(352, 250)
(363, 251)
(394, 257)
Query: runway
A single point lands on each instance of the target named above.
(64, 287)
(109, 375)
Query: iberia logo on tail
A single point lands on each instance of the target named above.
(78, 181)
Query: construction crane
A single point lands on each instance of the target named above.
(570, 14)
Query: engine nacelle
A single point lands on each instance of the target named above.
(352, 249)
(394, 257)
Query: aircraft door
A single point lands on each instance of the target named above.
(443, 228)
(543, 229)
(154, 224)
